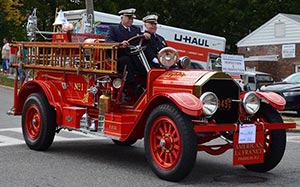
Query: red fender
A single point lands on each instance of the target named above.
(274, 99)
(186, 102)
(51, 91)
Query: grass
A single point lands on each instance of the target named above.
(5, 81)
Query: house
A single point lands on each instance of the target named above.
(274, 47)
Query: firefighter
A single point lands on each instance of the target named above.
(121, 33)
(157, 42)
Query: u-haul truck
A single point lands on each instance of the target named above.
(203, 49)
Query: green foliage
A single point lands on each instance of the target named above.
(11, 11)
(232, 19)
(4, 80)
(11, 18)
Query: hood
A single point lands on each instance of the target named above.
(280, 87)
(187, 77)
(185, 80)
(181, 76)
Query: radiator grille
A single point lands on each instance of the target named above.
(228, 93)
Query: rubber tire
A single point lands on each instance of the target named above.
(125, 143)
(188, 141)
(276, 140)
(37, 107)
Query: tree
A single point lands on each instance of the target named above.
(13, 18)
(232, 19)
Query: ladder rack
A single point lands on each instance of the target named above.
(96, 57)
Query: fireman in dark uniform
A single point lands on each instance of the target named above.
(157, 42)
(121, 33)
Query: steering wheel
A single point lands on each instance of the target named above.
(136, 44)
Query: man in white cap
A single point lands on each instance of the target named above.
(125, 30)
(157, 42)
(120, 34)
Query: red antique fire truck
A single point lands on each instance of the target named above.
(76, 86)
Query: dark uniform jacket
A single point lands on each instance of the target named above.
(118, 33)
(157, 42)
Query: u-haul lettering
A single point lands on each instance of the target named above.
(191, 40)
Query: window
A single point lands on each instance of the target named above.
(279, 29)
(297, 68)
(251, 80)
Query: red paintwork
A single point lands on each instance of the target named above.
(75, 37)
(187, 102)
(33, 122)
(178, 79)
(274, 99)
(165, 143)
(71, 116)
(119, 124)
(239, 150)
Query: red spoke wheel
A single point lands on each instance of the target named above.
(170, 143)
(275, 140)
(33, 122)
(165, 143)
(38, 122)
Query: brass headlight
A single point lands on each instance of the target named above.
(168, 56)
(251, 103)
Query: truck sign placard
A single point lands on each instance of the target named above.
(233, 64)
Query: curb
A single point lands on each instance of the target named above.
(297, 129)
(6, 87)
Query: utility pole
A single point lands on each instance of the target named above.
(89, 4)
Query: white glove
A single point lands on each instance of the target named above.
(155, 60)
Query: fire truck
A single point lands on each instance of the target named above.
(75, 86)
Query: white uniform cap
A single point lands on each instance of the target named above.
(128, 12)
(150, 19)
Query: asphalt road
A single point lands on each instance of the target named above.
(79, 160)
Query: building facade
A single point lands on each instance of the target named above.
(274, 47)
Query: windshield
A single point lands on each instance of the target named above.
(294, 78)
(264, 78)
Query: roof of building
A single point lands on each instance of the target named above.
(281, 29)
(293, 16)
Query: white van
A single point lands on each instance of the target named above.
(253, 80)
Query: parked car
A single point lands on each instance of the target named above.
(289, 88)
